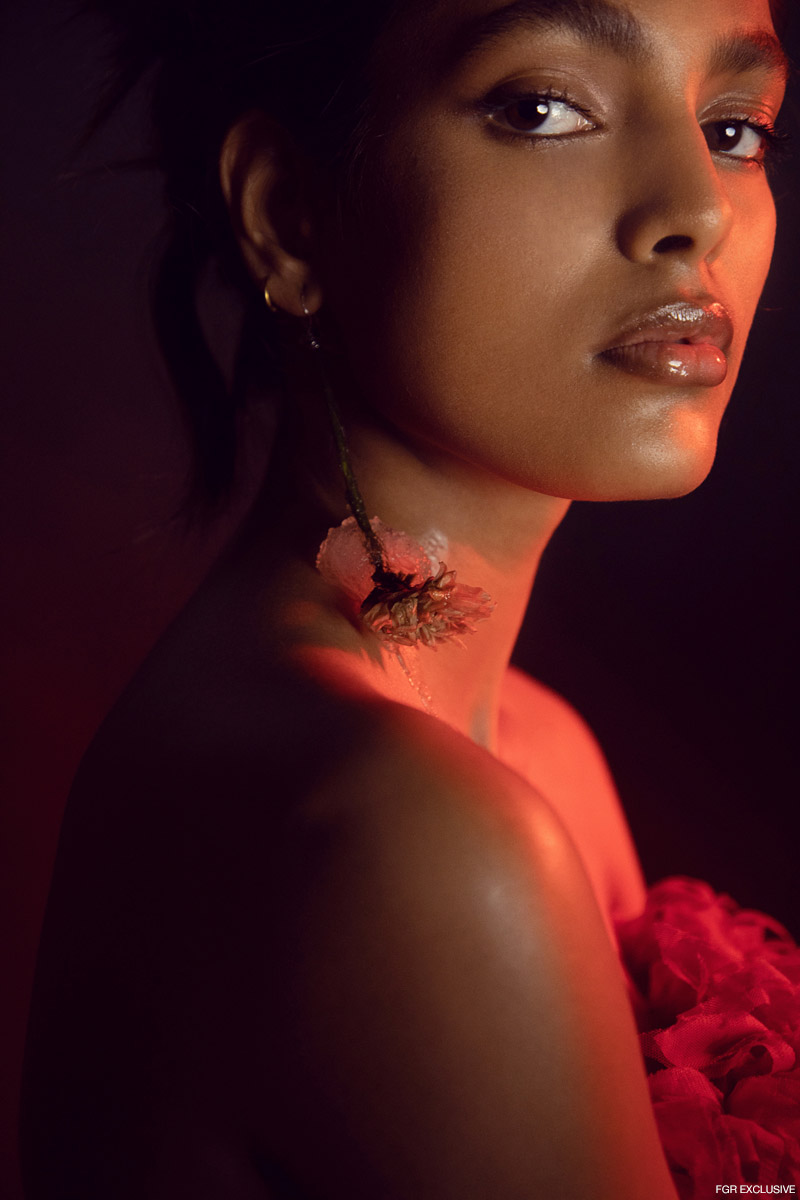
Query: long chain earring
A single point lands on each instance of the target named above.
(402, 597)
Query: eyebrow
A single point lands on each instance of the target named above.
(614, 28)
(750, 50)
(595, 21)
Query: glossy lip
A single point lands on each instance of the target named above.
(681, 342)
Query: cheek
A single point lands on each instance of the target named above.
(493, 242)
(746, 260)
(755, 242)
(485, 261)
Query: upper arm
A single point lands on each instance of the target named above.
(453, 1018)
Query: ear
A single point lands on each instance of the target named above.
(266, 184)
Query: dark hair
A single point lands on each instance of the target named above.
(305, 63)
(779, 10)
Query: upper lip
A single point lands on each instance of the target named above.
(691, 321)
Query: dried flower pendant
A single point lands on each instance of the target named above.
(406, 600)
(404, 596)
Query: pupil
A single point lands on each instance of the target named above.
(730, 136)
(530, 113)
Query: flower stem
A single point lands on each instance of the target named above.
(375, 549)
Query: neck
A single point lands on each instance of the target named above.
(489, 531)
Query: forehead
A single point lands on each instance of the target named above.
(446, 31)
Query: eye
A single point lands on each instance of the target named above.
(538, 116)
(738, 138)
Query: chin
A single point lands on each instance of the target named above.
(666, 484)
(652, 471)
(665, 462)
(661, 473)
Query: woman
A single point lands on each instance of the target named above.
(334, 909)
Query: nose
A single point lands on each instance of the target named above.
(677, 206)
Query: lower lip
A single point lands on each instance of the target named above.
(700, 365)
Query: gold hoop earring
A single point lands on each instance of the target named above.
(272, 307)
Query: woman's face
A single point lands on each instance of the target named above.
(564, 231)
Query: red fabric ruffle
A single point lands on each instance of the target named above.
(717, 999)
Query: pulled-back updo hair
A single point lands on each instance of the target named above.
(305, 63)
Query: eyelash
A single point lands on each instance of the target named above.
(495, 104)
(773, 141)
(772, 144)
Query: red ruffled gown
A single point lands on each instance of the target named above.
(716, 991)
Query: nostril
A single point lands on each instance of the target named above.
(675, 241)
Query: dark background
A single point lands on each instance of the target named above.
(672, 626)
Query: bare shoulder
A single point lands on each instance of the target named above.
(543, 720)
(451, 998)
(359, 953)
(430, 804)
(550, 744)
